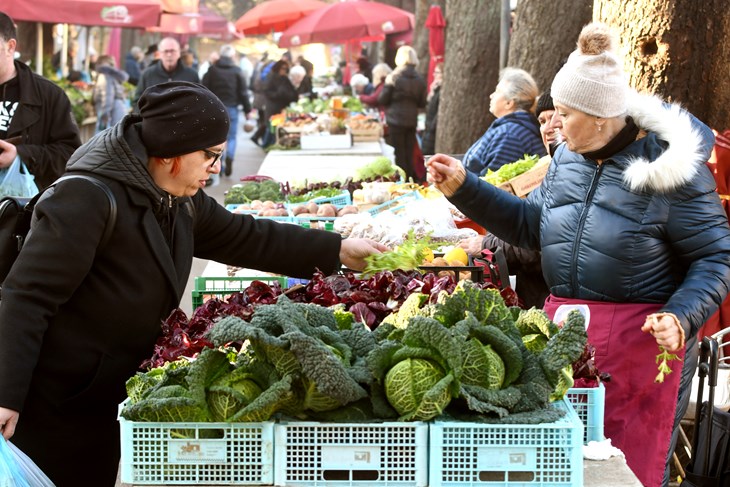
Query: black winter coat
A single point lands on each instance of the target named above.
(645, 226)
(156, 74)
(77, 320)
(227, 82)
(279, 92)
(45, 122)
(403, 97)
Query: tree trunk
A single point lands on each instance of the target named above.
(542, 40)
(420, 36)
(676, 49)
(471, 69)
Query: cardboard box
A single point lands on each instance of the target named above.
(325, 141)
(371, 131)
(527, 181)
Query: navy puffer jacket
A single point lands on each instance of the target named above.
(645, 226)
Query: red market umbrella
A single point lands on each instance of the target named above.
(119, 13)
(346, 21)
(180, 6)
(435, 24)
(178, 24)
(275, 15)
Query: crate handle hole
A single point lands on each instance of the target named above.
(357, 475)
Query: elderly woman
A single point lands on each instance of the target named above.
(404, 94)
(301, 80)
(630, 225)
(515, 132)
(78, 318)
(380, 72)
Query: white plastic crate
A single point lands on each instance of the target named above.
(589, 403)
(464, 454)
(197, 453)
(315, 454)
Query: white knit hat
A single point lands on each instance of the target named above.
(592, 80)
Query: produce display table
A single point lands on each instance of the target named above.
(360, 148)
(296, 166)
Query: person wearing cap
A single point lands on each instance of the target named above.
(77, 319)
(630, 225)
(524, 264)
(515, 132)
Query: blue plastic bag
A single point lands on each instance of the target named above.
(17, 470)
(17, 181)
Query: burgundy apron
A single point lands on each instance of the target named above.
(639, 415)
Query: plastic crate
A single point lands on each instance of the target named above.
(219, 287)
(589, 403)
(232, 207)
(395, 204)
(340, 200)
(315, 454)
(209, 454)
(464, 454)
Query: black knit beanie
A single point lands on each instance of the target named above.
(179, 117)
(544, 102)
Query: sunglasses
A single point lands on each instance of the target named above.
(212, 155)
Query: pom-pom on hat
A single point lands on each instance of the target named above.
(592, 80)
(179, 117)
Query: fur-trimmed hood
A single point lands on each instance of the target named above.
(689, 143)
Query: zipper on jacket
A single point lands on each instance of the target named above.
(581, 224)
(169, 201)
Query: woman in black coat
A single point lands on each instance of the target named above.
(279, 92)
(77, 318)
(403, 95)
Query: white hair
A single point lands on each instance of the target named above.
(228, 50)
(359, 79)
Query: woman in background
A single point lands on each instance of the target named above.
(404, 94)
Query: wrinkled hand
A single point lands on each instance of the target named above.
(472, 245)
(445, 172)
(666, 330)
(354, 250)
(7, 154)
(8, 420)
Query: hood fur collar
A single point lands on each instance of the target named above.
(685, 154)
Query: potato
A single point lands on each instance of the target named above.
(347, 210)
(268, 204)
(299, 209)
(312, 207)
(327, 209)
(256, 204)
(440, 262)
(307, 215)
(281, 212)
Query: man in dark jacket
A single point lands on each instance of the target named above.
(68, 346)
(36, 121)
(226, 80)
(170, 68)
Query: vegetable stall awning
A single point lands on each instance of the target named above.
(275, 15)
(348, 21)
(111, 13)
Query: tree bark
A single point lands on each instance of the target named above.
(676, 49)
(544, 34)
(420, 36)
(471, 69)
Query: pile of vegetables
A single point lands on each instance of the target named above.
(380, 167)
(462, 355)
(249, 191)
(511, 170)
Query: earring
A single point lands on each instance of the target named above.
(599, 128)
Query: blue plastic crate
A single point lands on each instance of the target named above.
(254, 213)
(464, 454)
(316, 454)
(589, 403)
(395, 204)
(342, 199)
(197, 453)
